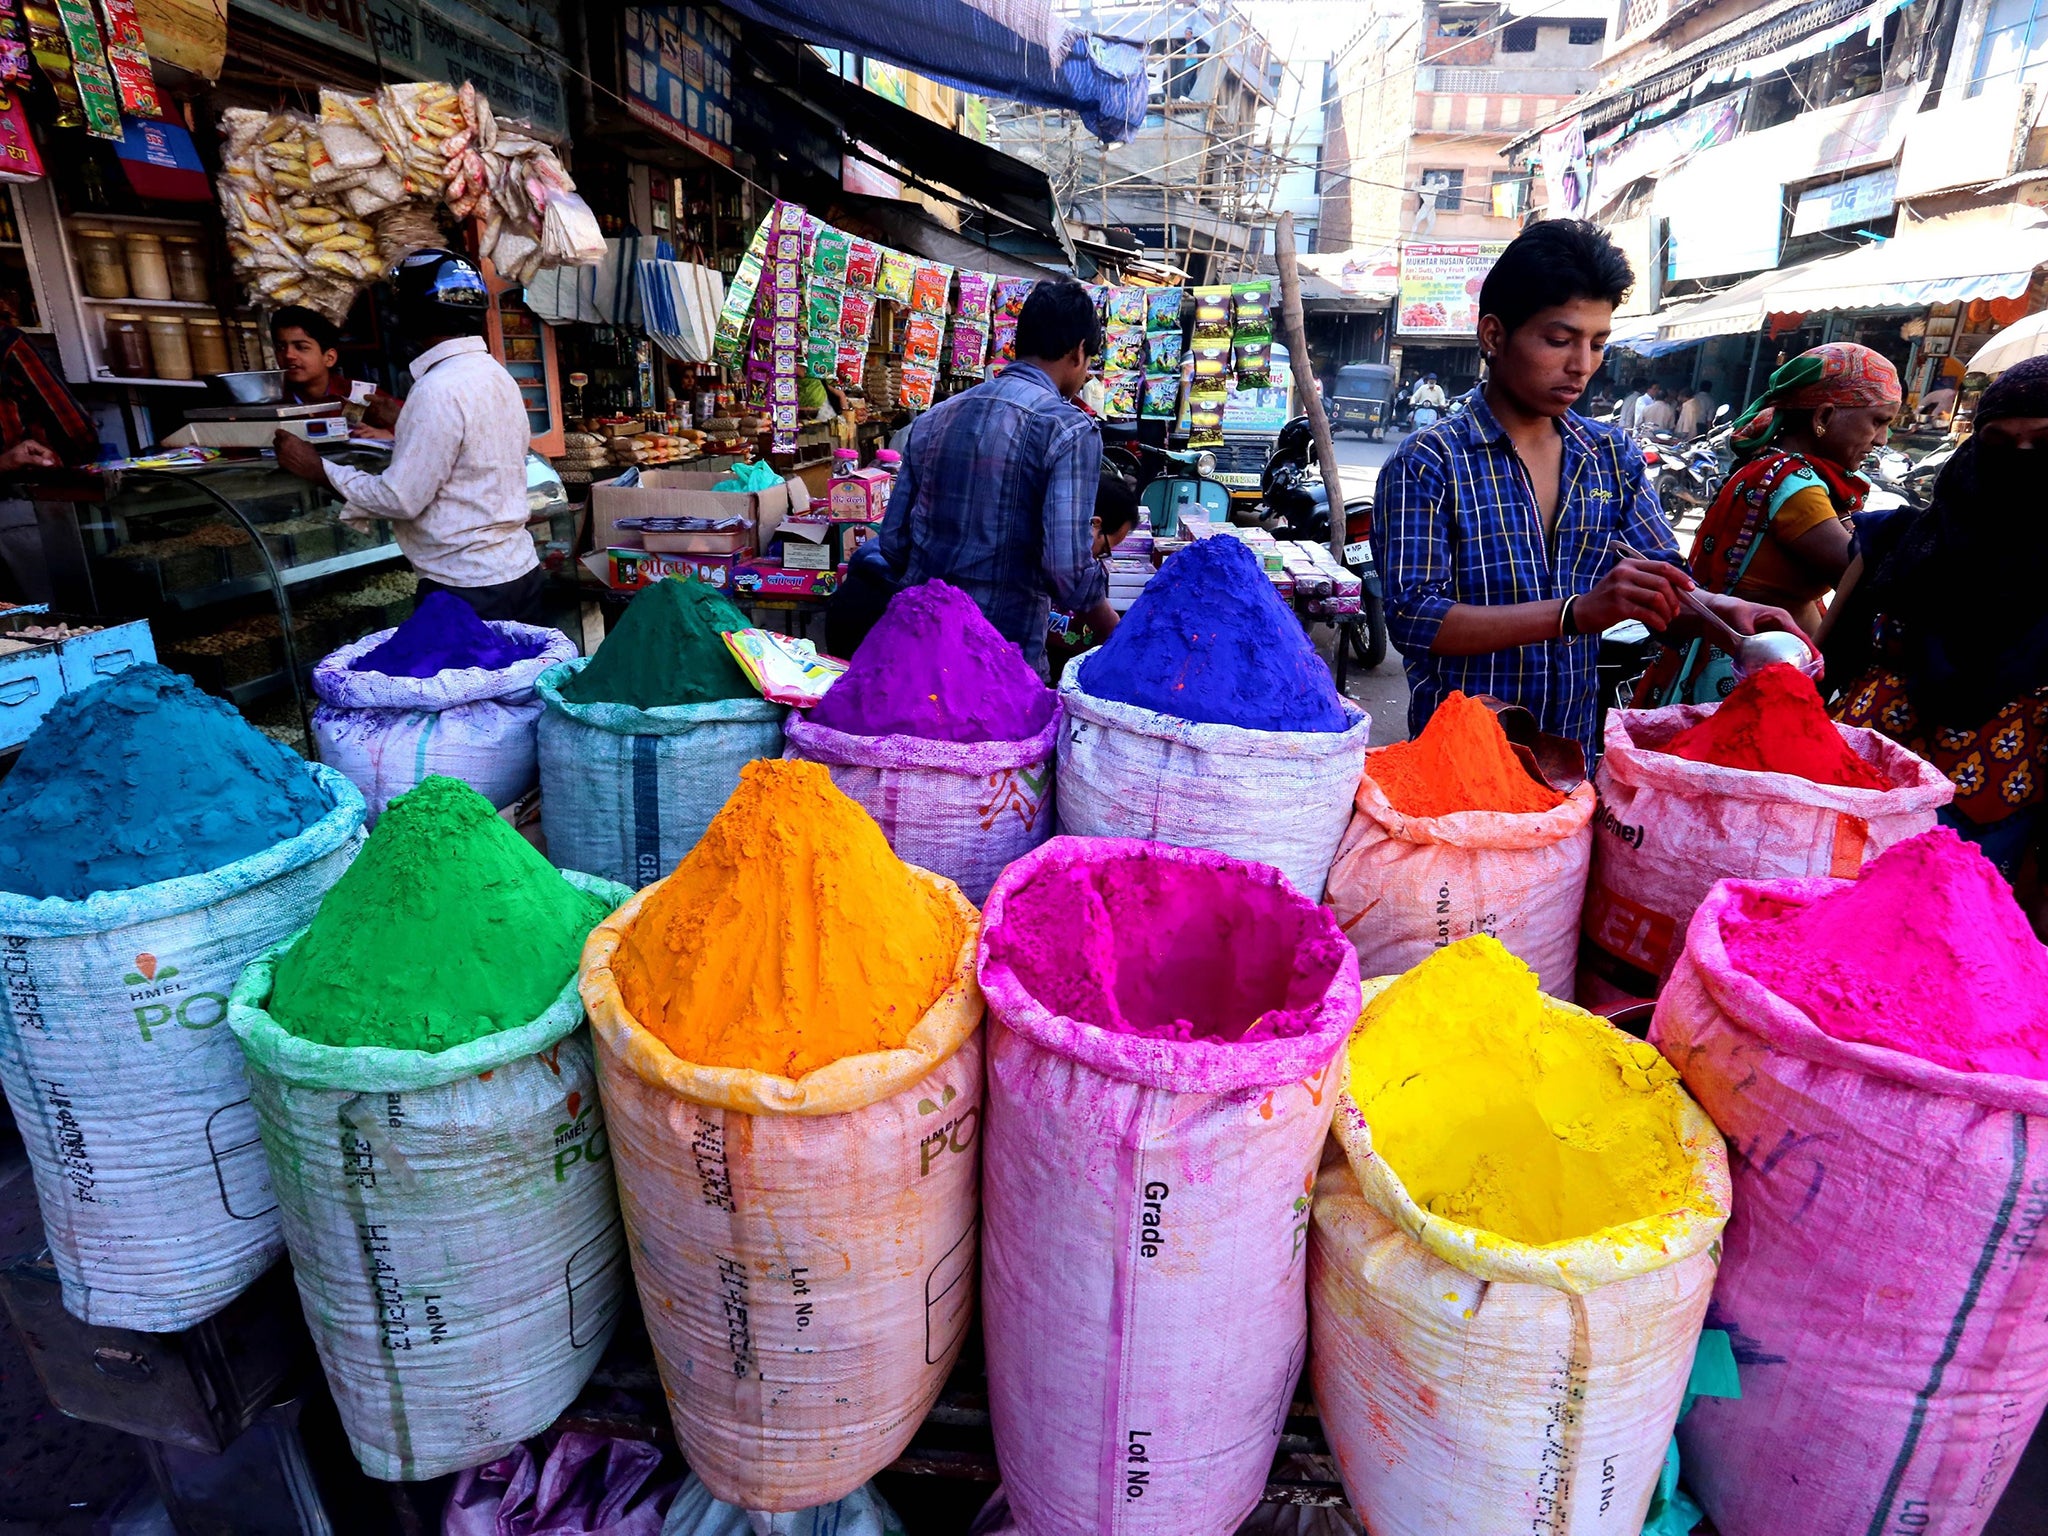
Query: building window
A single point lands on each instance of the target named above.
(1446, 27)
(1519, 38)
(1585, 32)
(1449, 185)
(2015, 45)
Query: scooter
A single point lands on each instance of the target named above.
(1171, 481)
(1297, 506)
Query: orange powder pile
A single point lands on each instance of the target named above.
(1774, 722)
(1460, 762)
(790, 936)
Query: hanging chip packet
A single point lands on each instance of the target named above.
(967, 357)
(930, 282)
(1212, 313)
(976, 293)
(828, 255)
(1161, 398)
(1126, 307)
(97, 92)
(897, 277)
(1123, 350)
(1120, 395)
(1011, 292)
(922, 337)
(1162, 309)
(128, 56)
(733, 315)
(1162, 352)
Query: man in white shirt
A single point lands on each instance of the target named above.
(455, 492)
(1654, 412)
(1697, 414)
(1430, 393)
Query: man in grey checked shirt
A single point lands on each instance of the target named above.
(1496, 528)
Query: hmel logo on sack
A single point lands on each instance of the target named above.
(581, 1138)
(151, 987)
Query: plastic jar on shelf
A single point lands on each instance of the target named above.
(171, 345)
(186, 257)
(149, 275)
(207, 340)
(128, 353)
(101, 265)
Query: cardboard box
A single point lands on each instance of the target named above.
(717, 541)
(628, 570)
(755, 579)
(800, 555)
(861, 497)
(683, 493)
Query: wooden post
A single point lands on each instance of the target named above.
(1305, 380)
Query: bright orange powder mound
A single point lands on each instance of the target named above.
(1460, 762)
(790, 936)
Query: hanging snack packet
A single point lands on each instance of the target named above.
(828, 255)
(128, 56)
(1252, 309)
(1098, 294)
(969, 351)
(1212, 313)
(1120, 393)
(96, 88)
(852, 363)
(734, 313)
(1162, 398)
(1011, 292)
(789, 294)
(1162, 309)
(919, 386)
(976, 290)
(47, 46)
(13, 46)
(1126, 307)
(856, 316)
(1162, 352)
(822, 309)
(897, 276)
(930, 282)
(821, 354)
(1123, 349)
(1003, 337)
(863, 262)
(1212, 362)
(1206, 421)
(922, 336)
(1254, 363)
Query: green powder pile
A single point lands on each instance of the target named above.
(449, 926)
(666, 650)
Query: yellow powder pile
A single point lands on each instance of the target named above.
(1500, 1110)
(790, 936)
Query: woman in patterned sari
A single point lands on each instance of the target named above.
(1940, 637)
(1778, 531)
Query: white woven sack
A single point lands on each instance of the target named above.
(626, 792)
(963, 809)
(128, 1090)
(452, 1225)
(1273, 797)
(1405, 886)
(476, 724)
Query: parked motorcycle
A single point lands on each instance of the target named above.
(1171, 481)
(1297, 506)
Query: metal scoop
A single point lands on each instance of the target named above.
(1751, 653)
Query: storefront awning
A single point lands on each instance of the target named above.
(1924, 266)
(1644, 334)
(1734, 312)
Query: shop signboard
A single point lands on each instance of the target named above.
(1859, 200)
(679, 75)
(1620, 163)
(1440, 286)
(433, 40)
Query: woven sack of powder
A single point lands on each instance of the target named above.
(962, 809)
(1145, 1213)
(863, 1512)
(626, 792)
(1403, 886)
(1471, 1385)
(1667, 828)
(451, 1222)
(130, 1093)
(1273, 797)
(1885, 1276)
(804, 1249)
(477, 724)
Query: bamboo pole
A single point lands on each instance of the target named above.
(1305, 380)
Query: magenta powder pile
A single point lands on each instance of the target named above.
(935, 668)
(1927, 954)
(1168, 950)
(442, 635)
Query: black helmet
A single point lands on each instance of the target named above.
(440, 294)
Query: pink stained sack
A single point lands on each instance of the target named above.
(962, 809)
(588, 1485)
(1884, 1279)
(1406, 886)
(1146, 1199)
(1667, 828)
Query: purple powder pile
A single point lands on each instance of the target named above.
(442, 635)
(1211, 641)
(935, 668)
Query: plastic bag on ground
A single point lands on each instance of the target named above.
(965, 810)
(476, 724)
(1274, 797)
(1668, 828)
(626, 792)
(584, 1485)
(1403, 886)
(863, 1512)
(1885, 1277)
(451, 1221)
(130, 1093)
(1146, 1210)
(805, 1250)
(1474, 1386)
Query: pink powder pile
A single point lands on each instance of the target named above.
(1173, 951)
(1927, 954)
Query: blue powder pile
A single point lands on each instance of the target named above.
(144, 778)
(1211, 641)
(443, 633)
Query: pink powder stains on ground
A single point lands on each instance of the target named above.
(1172, 951)
(1927, 954)
(935, 668)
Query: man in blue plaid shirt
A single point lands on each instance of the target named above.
(1496, 528)
(998, 483)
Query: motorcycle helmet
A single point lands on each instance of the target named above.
(440, 293)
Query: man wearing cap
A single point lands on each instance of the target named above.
(455, 492)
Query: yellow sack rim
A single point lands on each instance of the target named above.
(850, 1083)
(1577, 1264)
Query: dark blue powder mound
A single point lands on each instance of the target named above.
(144, 778)
(443, 633)
(1210, 640)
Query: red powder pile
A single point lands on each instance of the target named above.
(1460, 762)
(1774, 723)
(1927, 954)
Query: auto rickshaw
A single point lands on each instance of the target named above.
(1361, 402)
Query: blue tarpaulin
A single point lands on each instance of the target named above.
(1025, 52)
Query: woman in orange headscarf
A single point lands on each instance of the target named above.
(1778, 531)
